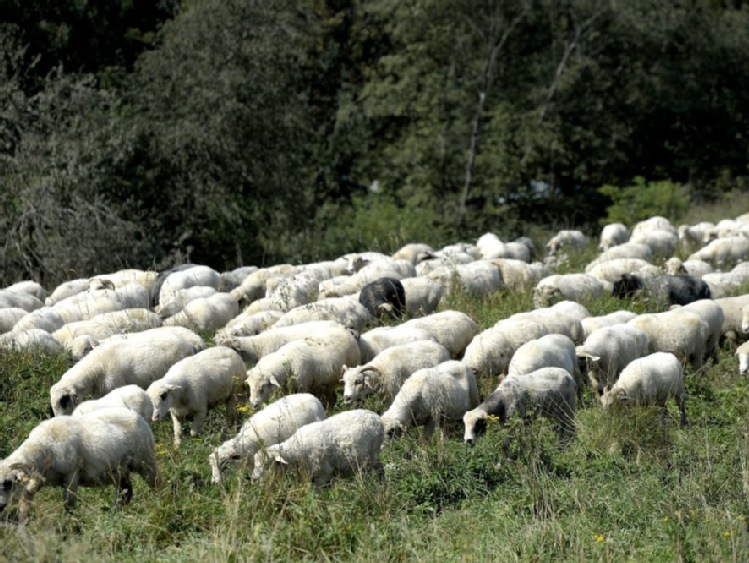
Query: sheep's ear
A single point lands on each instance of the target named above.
(273, 381)
(279, 460)
(170, 387)
(344, 367)
(370, 371)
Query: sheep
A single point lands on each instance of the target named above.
(182, 297)
(549, 392)
(105, 325)
(566, 239)
(9, 316)
(342, 445)
(94, 450)
(422, 295)
(556, 320)
(385, 374)
(626, 250)
(196, 384)
(46, 319)
(655, 223)
(79, 310)
(743, 354)
(121, 278)
(679, 332)
(345, 310)
(19, 299)
(254, 286)
(481, 277)
(82, 345)
(612, 235)
(449, 260)
(297, 290)
(710, 312)
(724, 285)
(234, 278)
(575, 287)
(607, 351)
(130, 397)
(651, 380)
(612, 270)
(384, 268)
(453, 329)
(701, 233)
(430, 397)
(188, 277)
(592, 324)
(661, 242)
(274, 424)
(492, 248)
(67, 289)
(723, 251)
(733, 316)
(374, 341)
(490, 351)
(663, 289)
(31, 288)
(206, 313)
(310, 365)
(249, 324)
(550, 351)
(384, 297)
(140, 359)
(414, 253)
(35, 338)
(675, 266)
(518, 275)
(252, 348)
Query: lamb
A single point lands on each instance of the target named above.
(490, 351)
(592, 324)
(608, 350)
(422, 295)
(453, 329)
(566, 239)
(374, 341)
(430, 397)
(346, 311)
(723, 251)
(274, 424)
(252, 348)
(342, 445)
(679, 332)
(550, 351)
(140, 359)
(549, 392)
(651, 380)
(384, 297)
(612, 235)
(130, 397)
(92, 450)
(663, 289)
(206, 313)
(310, 365)
(196, 384)
(385, 374)
(575, 287)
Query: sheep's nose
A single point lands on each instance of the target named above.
(347, 399)
(470, 442)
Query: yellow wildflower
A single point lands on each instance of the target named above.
(599, 538)
(727, 533)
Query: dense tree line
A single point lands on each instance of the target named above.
(233, 131)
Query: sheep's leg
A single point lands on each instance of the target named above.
(124, 489)
(70, 492)
(428, 429)
(177, 429)
(198, 422)
(231, 411)
(682, 410)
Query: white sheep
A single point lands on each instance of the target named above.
(490, 351)
(196, 384)
(655, 223)
(385, 374)
(626, 250)
(342, 445)
(35, 338)
(94, 450)
(234, 278)
(481, 277)
(30, 287)
(345, 310)
(556, 320)
(384, 268)
(661, 242)
(651, 380)
(414, 253)
(679, 332)
(67, 289)
(206, 313)
(105, 325)
(453, 329)
(374, 341)
(549, 392)
(612, 235)
(140, 359)
(252, 348)
(20, 300)
(675, 266)
(575, 287)
(248, 324)
(723, 251)
(566, 239)
(608, 350)
(274, 424)
(297, 290)
(46, 319)
(182, 297)
(83, 309)
(422, 295)
(181, 279)
(9, 316)
(254, 286)
(310, 365)
(130, 397)
(710, 312)
(550, 351)
(518, 275)
(612, 270)
(430, 397)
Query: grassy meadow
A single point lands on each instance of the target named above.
(631, 487)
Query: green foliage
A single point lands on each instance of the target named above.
(645, 199)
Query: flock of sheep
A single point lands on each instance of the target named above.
(306, 332)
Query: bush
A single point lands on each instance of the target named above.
(645, 199)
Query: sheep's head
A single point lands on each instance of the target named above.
(13, 479)
(261, 387)
(265, 459)
(224, 457)
(162, 397)
(613, 396)
(64, 399)
(358, 382)
(393, 428)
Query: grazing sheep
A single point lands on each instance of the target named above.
(490, 351)
(121, 278)
(743, 353)
(384, 268)
(385, 374)
(566, 239)
(574, 287)
(274, 424)
(374, 341)
(254, 286)
(557, 320)
(29, 287)
(31, 338)
(675, 267)
(20, 300)
(310, 365)
(414, 253)
(346, 311)
(130, 397)
(478, 278)
(592, 324)
(607, 351)
(518, 275)
(612, 235)
(140, 359)
(93, 450)
(92, 305)
(180, 298)
(723, 251)
(430, 397)
(67, 289)
(651, 380)
(206, 313)
(196, 384)
(663, 289)
(422, 295)
(9, 316)
(384, 297)
(46, 319)
(179, 279)
(699, 234)
(612, 270)
(297, 290)
(249, 324)
(550, 351)
(549, 392)
(234, 278)
(626, 250)
(679, 332)
(724, 285)
(662, 243)
(453, 329)
(655, 223)
(710, 312)
(105, 325)
(342, 445)
(252, 348)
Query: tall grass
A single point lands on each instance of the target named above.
(631, 486)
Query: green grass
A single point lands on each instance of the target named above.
(631, 487)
